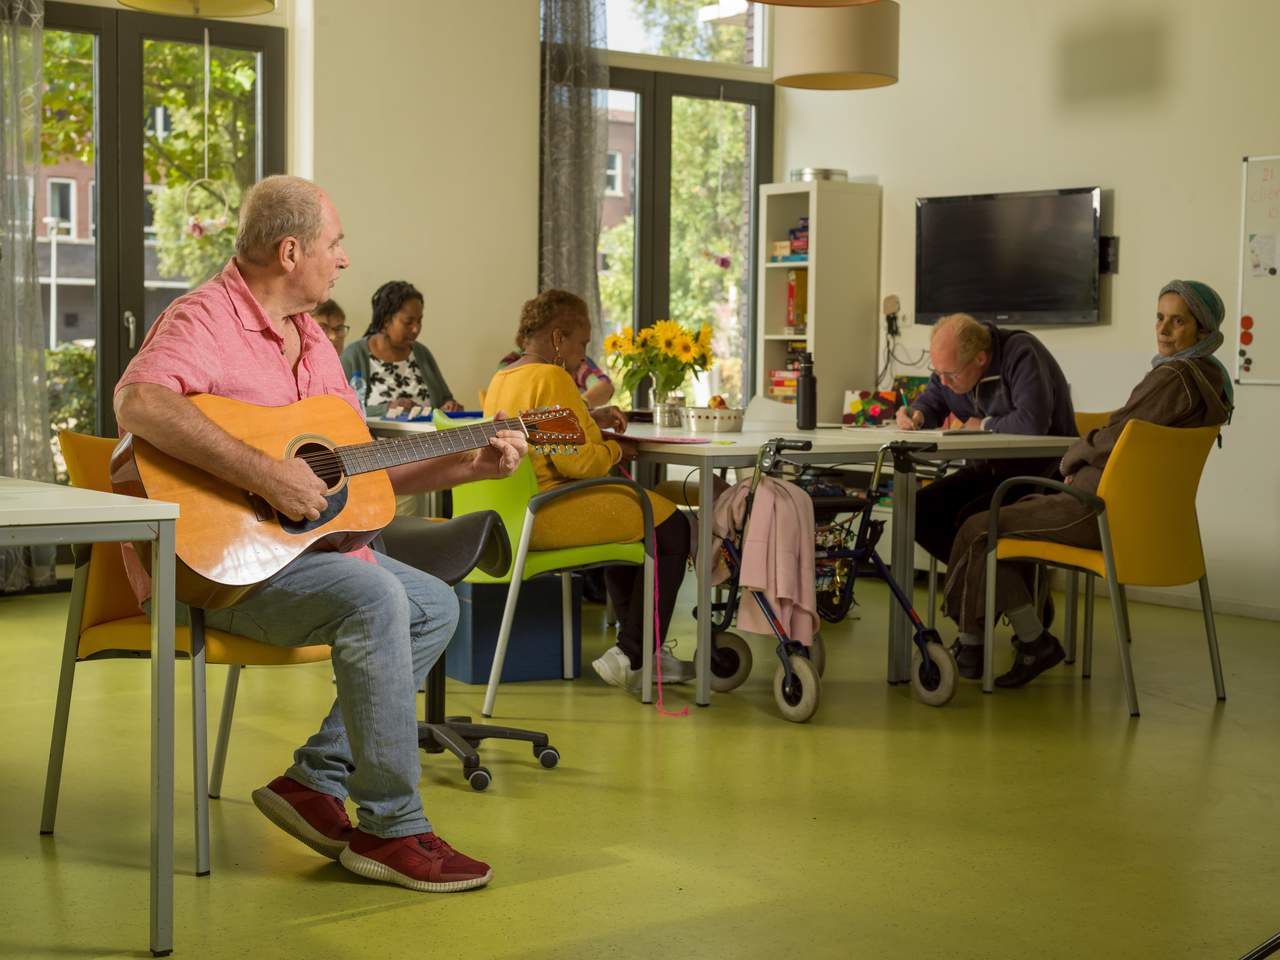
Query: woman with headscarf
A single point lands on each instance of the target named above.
(1186, 387)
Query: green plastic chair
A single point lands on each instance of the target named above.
(516, 499)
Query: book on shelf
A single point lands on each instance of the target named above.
(783, 382)
(797, 299)
(777, 392)
(789, 258)
(784, 373)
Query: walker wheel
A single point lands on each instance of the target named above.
(797, 700)
(730, 662)
(548, 756)
(818, 654)
(479, 778)
(934, 682)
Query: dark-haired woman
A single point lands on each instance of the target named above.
(400, 372)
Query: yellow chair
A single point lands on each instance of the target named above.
(1091, 421)
(1146, 511)
(103, 622)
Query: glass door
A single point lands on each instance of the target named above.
(204, 121)
(68, 217)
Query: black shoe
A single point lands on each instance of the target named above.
(1032, 659)
(968, 659)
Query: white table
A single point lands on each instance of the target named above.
(425, 504)
(38, 513)
(831, 445)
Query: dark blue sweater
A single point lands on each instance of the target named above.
(1023, 391)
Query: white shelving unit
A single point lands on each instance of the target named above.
(843, 283)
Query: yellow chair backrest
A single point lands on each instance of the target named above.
(1090, 421)
(1149, 485)
(108, 595)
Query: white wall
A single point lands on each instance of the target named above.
(1154, 100)
(426, 137)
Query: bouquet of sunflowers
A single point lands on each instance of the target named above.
(666, 351)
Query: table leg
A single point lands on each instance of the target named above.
(706, 496)
(162, 656)
(903, 569)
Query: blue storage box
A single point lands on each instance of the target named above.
(534, 650)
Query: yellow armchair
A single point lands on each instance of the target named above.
(1147, 524)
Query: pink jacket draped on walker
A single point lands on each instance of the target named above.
(777, 558)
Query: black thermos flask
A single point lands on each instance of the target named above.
(806, 394)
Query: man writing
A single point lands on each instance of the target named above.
(1004, 381)
(246, 334)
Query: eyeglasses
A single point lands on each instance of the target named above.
(950, 374)
(344, 329)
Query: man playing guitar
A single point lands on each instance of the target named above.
(246, 334)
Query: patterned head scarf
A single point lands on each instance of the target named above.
(1206, 306)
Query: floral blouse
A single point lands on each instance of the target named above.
(388, 381)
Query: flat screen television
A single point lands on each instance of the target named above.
(1013, 258)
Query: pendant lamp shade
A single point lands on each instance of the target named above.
(844, 48)
(203, 8)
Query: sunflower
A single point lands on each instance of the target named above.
(684, 349)
(612, 344)
(704, 337)
(645, 336)
(627, 347)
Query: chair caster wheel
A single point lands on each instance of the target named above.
(457, 719)
(548, 756)
(479, 778)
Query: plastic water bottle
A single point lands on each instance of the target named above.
(361, 390)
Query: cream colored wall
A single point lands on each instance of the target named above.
(1155, 101)
(426, 136)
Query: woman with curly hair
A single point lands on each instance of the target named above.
(400, 372)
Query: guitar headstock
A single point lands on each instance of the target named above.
(552, 430)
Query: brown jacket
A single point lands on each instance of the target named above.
(1181, 393)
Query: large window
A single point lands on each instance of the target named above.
(727, 31)
(122, 137)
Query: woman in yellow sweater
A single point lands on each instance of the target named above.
(554, 332)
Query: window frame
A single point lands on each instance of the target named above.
(70, 184)
(613, 168)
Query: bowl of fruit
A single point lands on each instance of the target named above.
(716, 417)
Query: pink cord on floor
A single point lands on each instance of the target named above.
(657, 628)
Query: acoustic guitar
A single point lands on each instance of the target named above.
(230, 540)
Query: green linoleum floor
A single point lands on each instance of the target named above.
(1035, 823)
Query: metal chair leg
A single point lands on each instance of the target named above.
(988, 627)
(1211, 632)
(62, 709)
(1069, 618)
(508, 616)
(1120, 614)
(646, 638)
(1086, 669)
(224, 731)
(566, 624)
(199, 743)
(933, 592)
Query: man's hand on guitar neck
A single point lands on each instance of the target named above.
(503, 454)
(293, 488)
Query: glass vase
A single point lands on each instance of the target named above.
(668, 408)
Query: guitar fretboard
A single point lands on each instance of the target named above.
(367, 457)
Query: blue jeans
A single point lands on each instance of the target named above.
(387, 625)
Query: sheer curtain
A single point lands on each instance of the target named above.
(24, 415)
(575, 133)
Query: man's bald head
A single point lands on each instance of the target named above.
(274, 209)
(960, 350)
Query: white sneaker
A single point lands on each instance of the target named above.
(614, 668)
(673, 670)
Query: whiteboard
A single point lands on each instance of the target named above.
(1258, 329)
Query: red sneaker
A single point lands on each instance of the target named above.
(317, 819)
(423, 862)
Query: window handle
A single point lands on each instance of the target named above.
(131, 322)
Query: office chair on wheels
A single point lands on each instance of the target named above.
(449, 550)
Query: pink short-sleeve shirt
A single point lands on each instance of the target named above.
(217, 339)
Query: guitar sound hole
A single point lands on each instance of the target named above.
(323, 462)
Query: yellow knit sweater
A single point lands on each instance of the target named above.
(607, 515)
